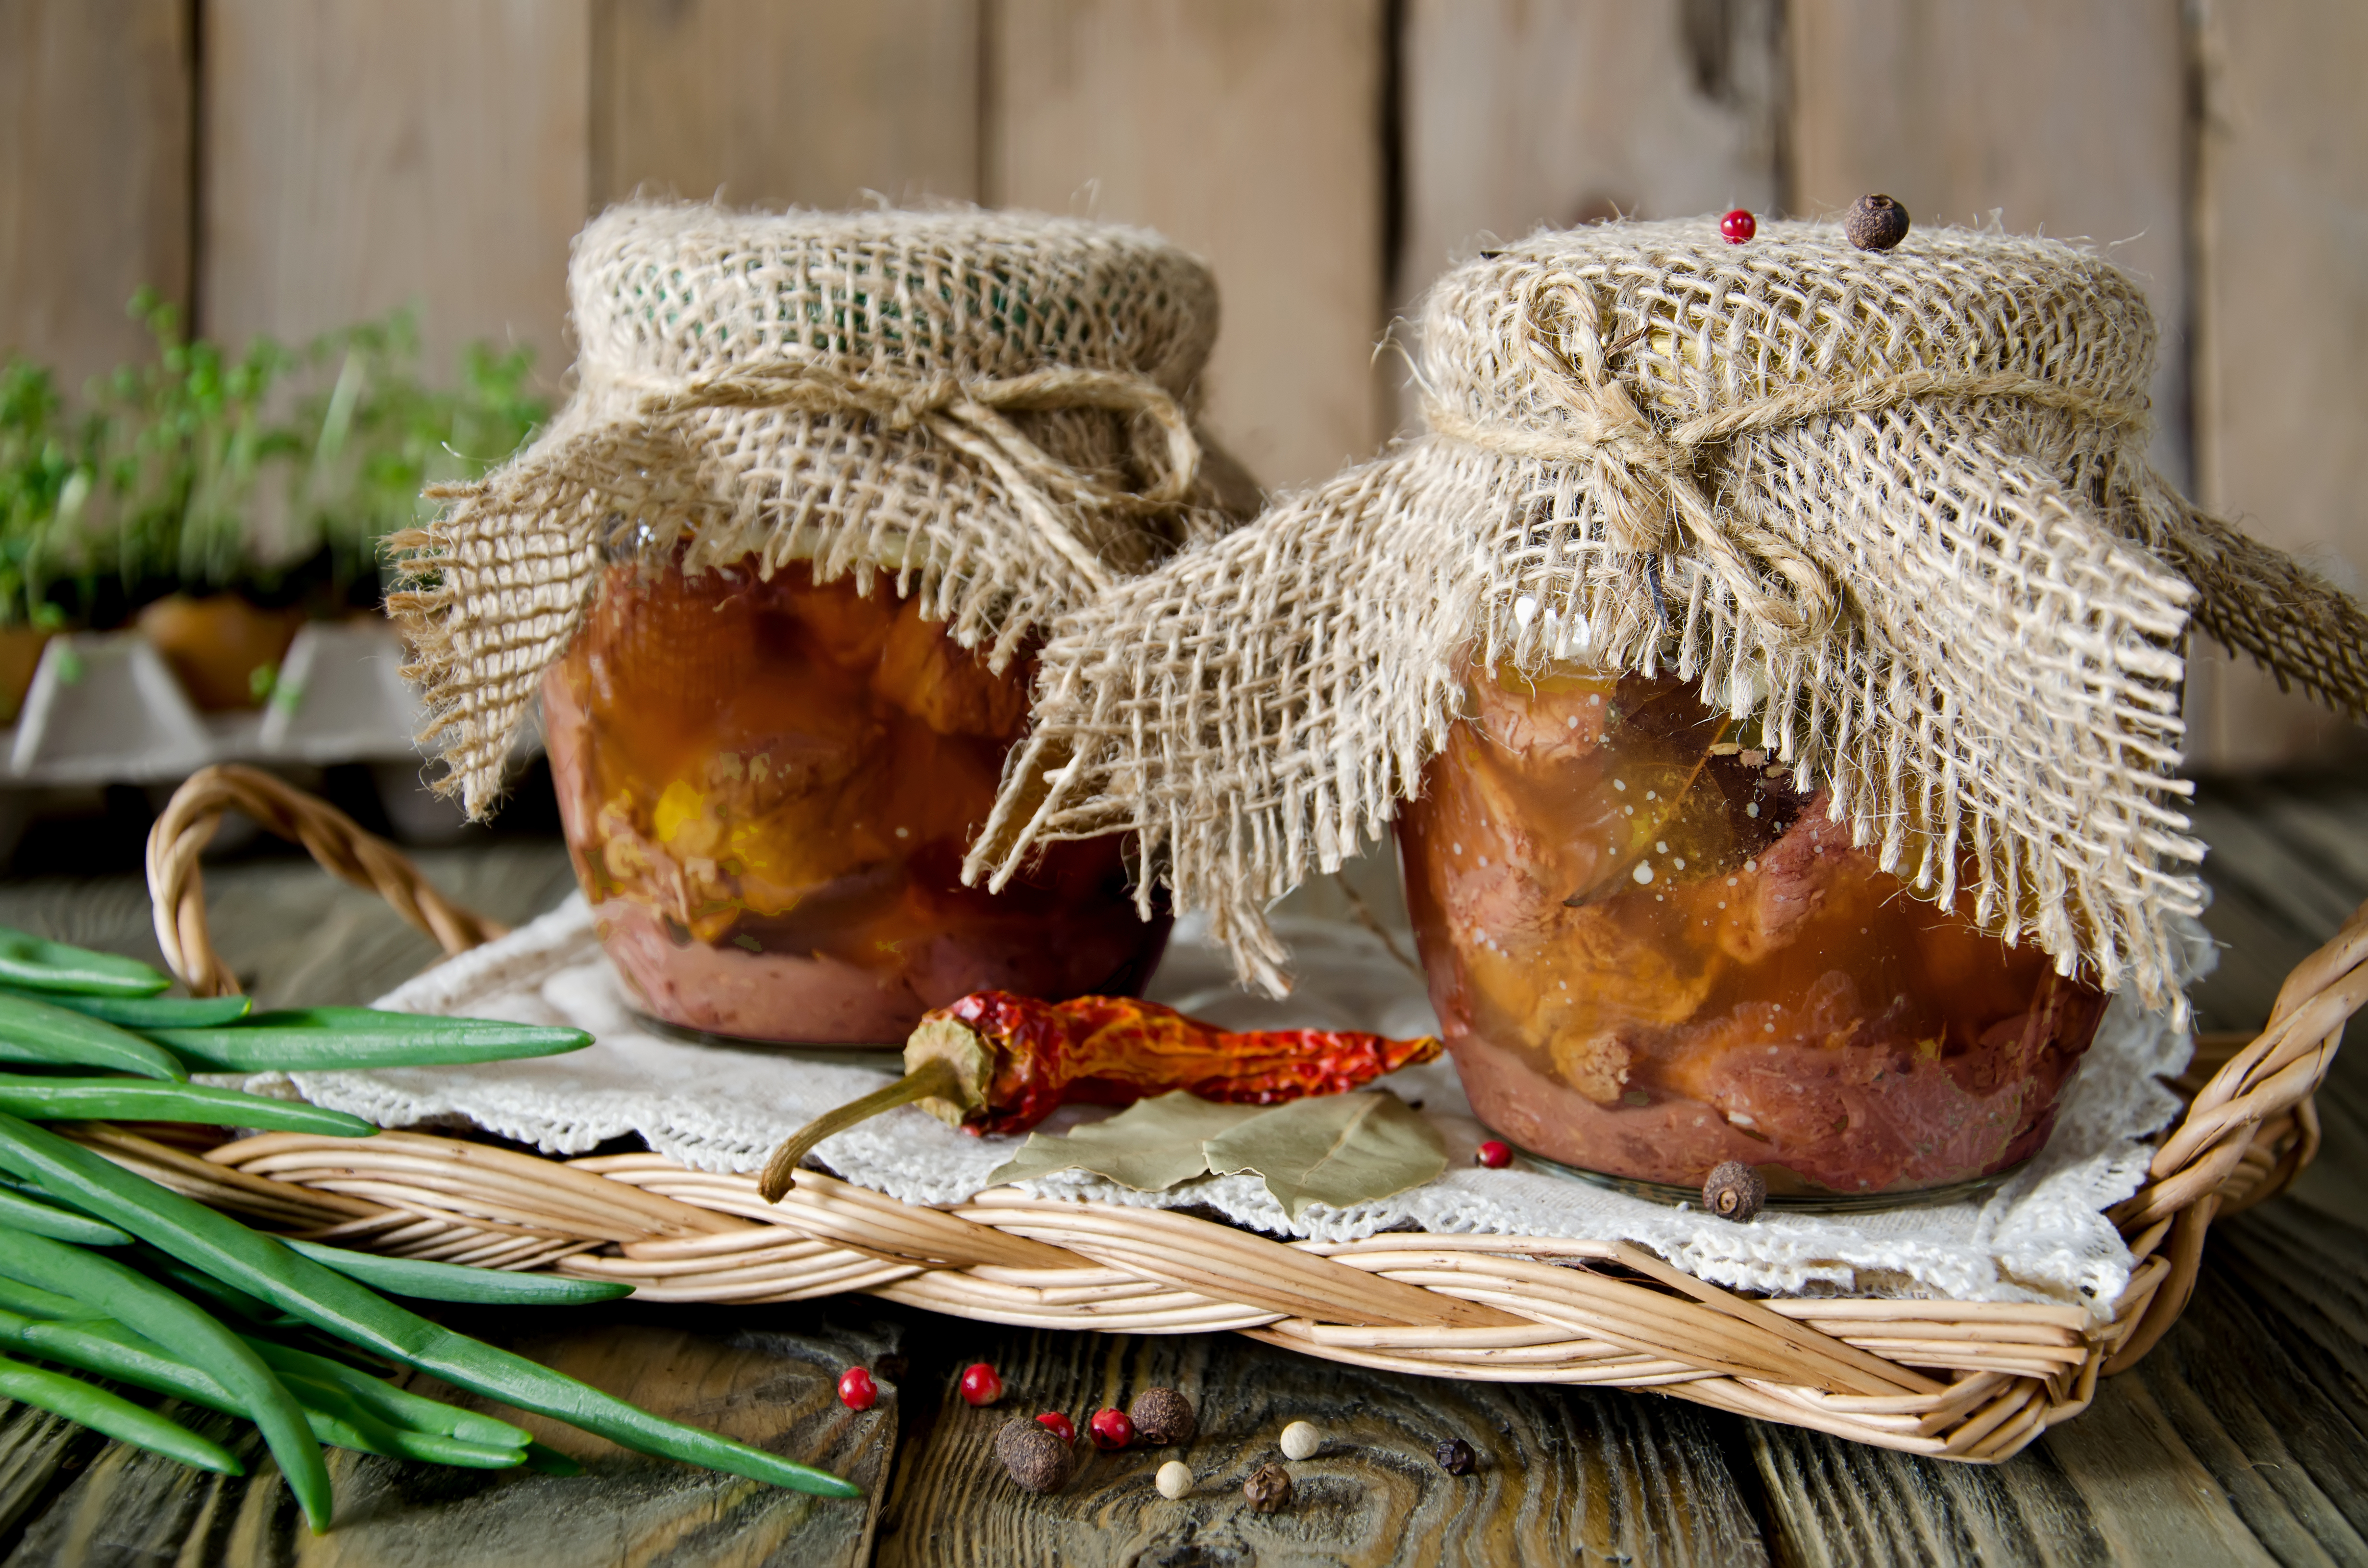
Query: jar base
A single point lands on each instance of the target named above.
(827, 1051)
(1785, 1190)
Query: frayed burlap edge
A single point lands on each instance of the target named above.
(1257, 709)
(997, 522)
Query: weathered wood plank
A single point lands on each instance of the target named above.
(1563, 1476)
(2282, 305)
(772, 103)
(2288, 865)
(1247, 130)
(430, 152)
(772, 1386)
(1519, 115)
(95, 125)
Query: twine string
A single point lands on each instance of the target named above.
(972, 415)
(1645, 472)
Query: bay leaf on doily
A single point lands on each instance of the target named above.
(1150, 1146)
(1339, 1150)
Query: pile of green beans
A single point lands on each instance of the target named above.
(105, 1272)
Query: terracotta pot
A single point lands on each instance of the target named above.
(1651, 952)
(217, 644)
(21, 655)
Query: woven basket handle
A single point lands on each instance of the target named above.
(2268, 1078)
(177, 887)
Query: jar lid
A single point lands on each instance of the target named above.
(1693, 326)
(685, 291)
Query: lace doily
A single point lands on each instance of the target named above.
(2042, 1236)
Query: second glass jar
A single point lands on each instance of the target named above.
(1650, 952)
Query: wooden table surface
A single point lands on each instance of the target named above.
(2239, 1439)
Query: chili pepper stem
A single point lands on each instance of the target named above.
(936, 1078)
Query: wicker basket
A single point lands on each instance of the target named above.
(1964, 1381)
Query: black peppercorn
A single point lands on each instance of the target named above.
(1875, 222)
(1162, 1416)
(1455, 1457)
(1035, 1456)
(1734, 1190)
(1268, 1488)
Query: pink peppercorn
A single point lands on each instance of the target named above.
(981, 1385)
(1738, 226)
(1059, 1426)
(856, 1389)
(1494, 1155)
(1112, 1429)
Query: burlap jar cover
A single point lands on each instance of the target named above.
(998, 409)
(1898, 502)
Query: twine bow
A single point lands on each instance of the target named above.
(969, 414)
(1645, 477)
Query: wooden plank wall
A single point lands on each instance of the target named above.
(283, 166)
(95, 201)
(357, 158)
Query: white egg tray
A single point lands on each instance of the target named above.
(104, 708)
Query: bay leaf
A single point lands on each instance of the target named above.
(1337, 1148)
(1150, 1146)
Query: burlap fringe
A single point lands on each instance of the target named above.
(994, 410)
(1898, 506)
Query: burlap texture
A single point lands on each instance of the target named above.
(1899, 502)
(997, 408)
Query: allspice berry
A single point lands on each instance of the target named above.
(1162, 1416)
(1733, 1192)
(1875, 222)
(1455, 1457)
(1268, 1488)
(1035, 1456)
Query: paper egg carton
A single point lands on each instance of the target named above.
(105, 708)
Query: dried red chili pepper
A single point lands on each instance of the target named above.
(997, 1062)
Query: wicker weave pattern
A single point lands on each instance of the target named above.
(1972, 1381)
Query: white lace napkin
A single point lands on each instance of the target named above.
(2040, 1237)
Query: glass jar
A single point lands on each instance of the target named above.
(767, 788)
(1651, 952)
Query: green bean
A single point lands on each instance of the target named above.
(178, 1327)
(114, 1415)
(397, 1406)
(150, 1012)
(323, 1039)
(223, 1300)
(35, 963)
(134, 1099)
(428, 1282)
(58, 1224)
(227, 1250)
(377, 1437)
(544, 1459)
(111, 1350)
(34, 1302)
(51, 1033)
(107, 1348)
